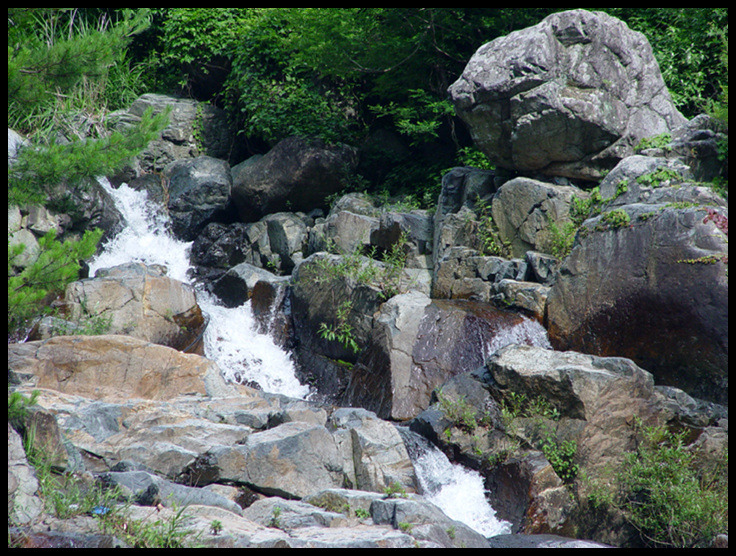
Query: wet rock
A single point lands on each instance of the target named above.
(651, 286)
(320, 285)
(417, 344)
(199, 193)
(426, 522)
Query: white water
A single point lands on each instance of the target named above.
(456, 490)
(243, 354)
(231, 338)
(527, 332)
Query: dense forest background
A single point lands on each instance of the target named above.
(375, 78)
(343, 74)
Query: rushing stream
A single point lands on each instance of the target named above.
(231, 338)
(244, 354)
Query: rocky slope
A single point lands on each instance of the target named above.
(451, 340)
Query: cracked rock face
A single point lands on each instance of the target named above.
(570, 96)
(141, 301)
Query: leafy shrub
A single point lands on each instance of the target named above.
(56, 265)
(661, 491)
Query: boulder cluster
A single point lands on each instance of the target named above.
(577, 292)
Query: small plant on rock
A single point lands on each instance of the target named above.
(341, 331)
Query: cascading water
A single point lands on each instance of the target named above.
(231, 338)
(456, 490)
(233, 341)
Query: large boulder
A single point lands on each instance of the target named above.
(141, 301)
(236, 286)
(114, 367)
(573, 383)
(417, 344)
(649, 282)
(343, 230)
(524, 209)
(296, 174)
(569, 96)
(292, 460)
(374, 455)
(194, 129)
(461, 189)
(321, 285)
(199, 193)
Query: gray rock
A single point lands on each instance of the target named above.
(194, 129)
(542, 541)
(557, 97)
(374, 453)
(292, 460)
(651, 286)
(146, 489)
(523, 209)
(199, 193)
(296, 174)
(345, 230)
(319, 286)
(24, 502)
(426, 522)
(654, 180)
(140, 301)
(571, 382)
(292, 514)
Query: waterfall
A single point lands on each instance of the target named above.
(245, 355)
(232, 339)
(528, 332)
(455, 489)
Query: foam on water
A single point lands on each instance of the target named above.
(231, 340)
(455, 489)
(527, 332)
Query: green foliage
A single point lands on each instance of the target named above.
(194, 43)
(56, 265)
(666, 496)
(175, 532)
(486, 231)
(420, 118)
(660, 176)
(54, 51)
(616, 218)
(661, 141)
(59, 68)
(342, 330)
(561, 455)
(559, 241)
(216, 526)
(460, 413)
(340, 73)
(18, 405)
(395, 490)
(37, 169)
(274, 95)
